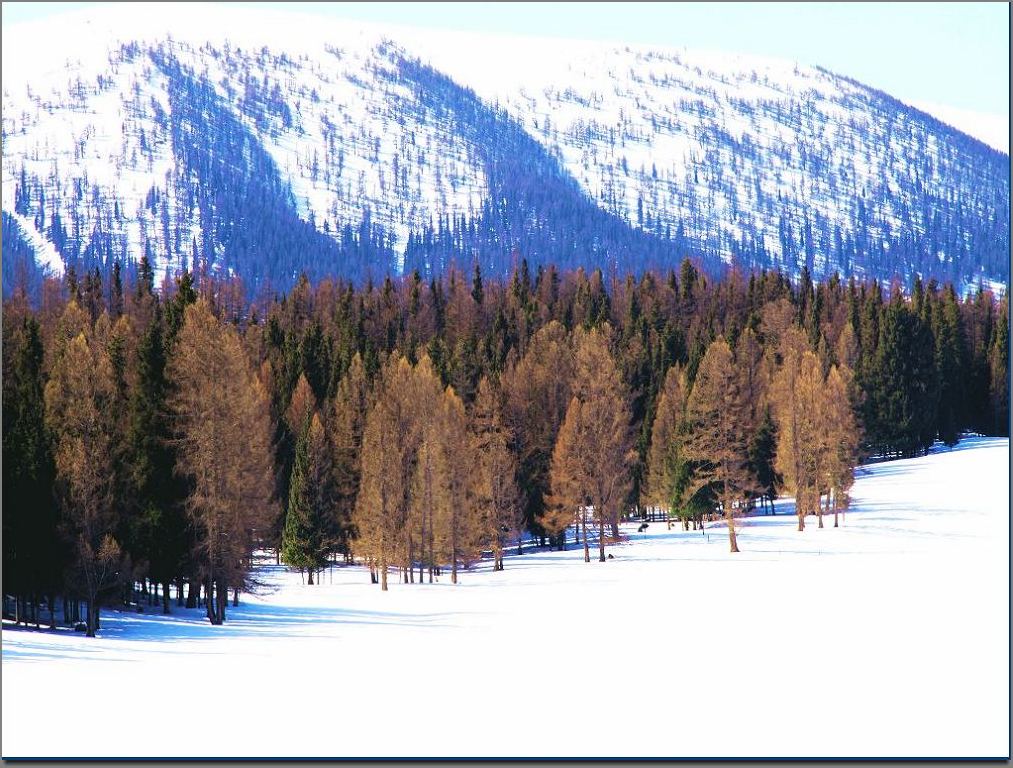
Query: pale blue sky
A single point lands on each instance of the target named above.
(954, 54)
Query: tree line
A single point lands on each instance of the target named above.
(155, 440)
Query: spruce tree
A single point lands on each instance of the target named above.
(998, 361)
(32, 553)
(297, 545)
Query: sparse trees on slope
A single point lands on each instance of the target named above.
(717, 440)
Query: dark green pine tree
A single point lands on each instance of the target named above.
(145, 277)
(156, 526)
(296, 545)
(185, 296)
(311, 530)
(762, 448)
(33, 556)
(901, 390)
(116, 293)
(979, 316)
(315, 351)
(868, 322)
(950, 364)
(998, 360)
(477, 293)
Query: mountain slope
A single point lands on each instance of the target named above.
(270, 147)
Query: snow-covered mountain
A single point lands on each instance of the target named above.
(266, 145)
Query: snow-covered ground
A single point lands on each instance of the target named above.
(886, 637)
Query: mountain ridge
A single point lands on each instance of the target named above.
(409, 155)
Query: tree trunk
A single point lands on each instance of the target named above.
(730, 521)
(583, 529)
(165, 598)
(92, 617)
(223, 600)
(836, 505)
(383, 574)
(235, 597)
(191, 593)
(209, 601)
(601, 540)
(432, 557)
(309, 578)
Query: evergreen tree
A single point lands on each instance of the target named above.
(32, 554)
(998, 362)
(950, 366)
(311, 529)
(668, 468)
(156, 527)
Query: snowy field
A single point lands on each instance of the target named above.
(886, 637)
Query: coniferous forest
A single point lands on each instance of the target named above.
(154, 440)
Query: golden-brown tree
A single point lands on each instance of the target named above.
(345, 425)
(787, 408)
(386, 454)
(80, 415)
(717, 439)
(498, 498)
(811, 426)
(301, 406)
(220, 415)
(388, 532)
(593, 454)
(842, 437)
(537, 393)
(457, 524)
